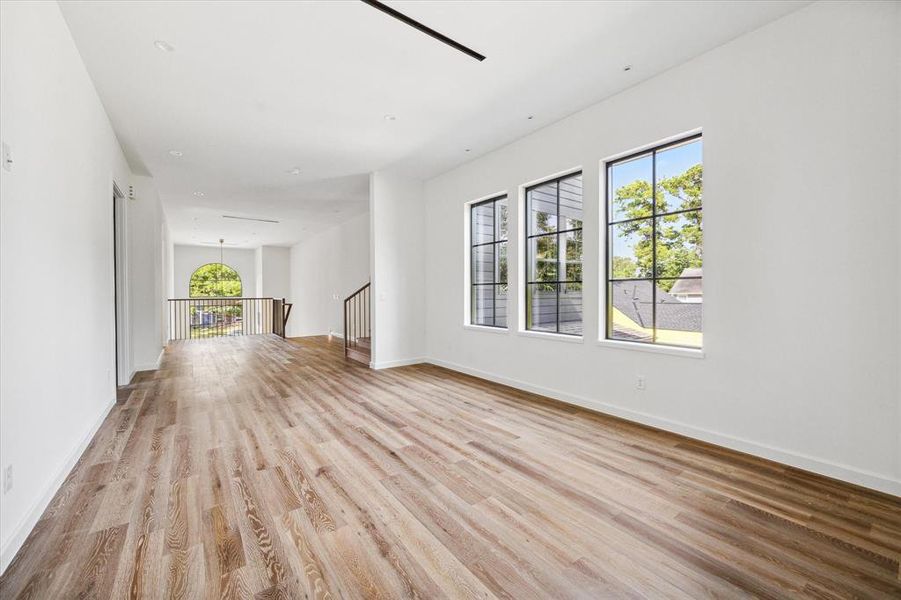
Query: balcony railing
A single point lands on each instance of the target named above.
(196, 318)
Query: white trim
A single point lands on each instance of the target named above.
(486, 329)
(21, 531)
(403, 362)
(467, 251)
(827, 468)
(654, 348)
(522, 239)
(122, 342)
(551, 177)
(661, 142)
(150, 366)
(547, 335)
(603, 230)
(487, 197)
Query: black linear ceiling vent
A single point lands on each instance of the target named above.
(425, 29)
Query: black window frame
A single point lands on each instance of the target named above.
(494, 283)
(528, 236)
(608, 266)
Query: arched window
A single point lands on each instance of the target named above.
(215, 280)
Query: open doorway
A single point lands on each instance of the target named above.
(120, 287)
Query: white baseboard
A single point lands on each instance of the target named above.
(403, 362)
(21, 531)
(846, 473)
(150, 366)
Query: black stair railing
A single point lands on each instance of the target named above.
(357, 323)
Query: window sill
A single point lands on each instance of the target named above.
(655, 349)
(559, 337)
(486, 328)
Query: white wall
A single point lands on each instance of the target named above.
(187, 259)
(398, 268)
(168, 290)
(274, 272)
(56, 261)
(145, 262)
(324, 270)
(801, 322)
(258, 266)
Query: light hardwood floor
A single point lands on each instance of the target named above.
(257, 467)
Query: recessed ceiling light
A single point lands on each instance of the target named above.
(294, 171)
(390, 118)
(175, 153)
(164, 46)
(627, 68)
(199, 194)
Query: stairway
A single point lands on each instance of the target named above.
(361, 351)
(357, 327)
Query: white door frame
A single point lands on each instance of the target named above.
(120, 289)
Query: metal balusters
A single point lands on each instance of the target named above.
(357, 329)
(196, 318)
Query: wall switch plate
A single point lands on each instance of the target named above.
(7, 478)
(7, 157)
(639, 384)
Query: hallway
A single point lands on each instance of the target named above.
(262, 467)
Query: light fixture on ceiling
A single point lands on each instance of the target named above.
(530, 117)
(199, 194)
(294, 171)
(249, 219)
(627, 68)
(176, 153)
(467, 150)
(425, 29)
(164, 46)
(390, 118)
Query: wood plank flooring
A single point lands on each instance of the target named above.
(262, 468)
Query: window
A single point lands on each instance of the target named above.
(654, 246)
(215, 280)
(554, 256)
(488, 262)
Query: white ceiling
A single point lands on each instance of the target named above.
(254, 89)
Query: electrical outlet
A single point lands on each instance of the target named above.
(639, 384)
(7, 479)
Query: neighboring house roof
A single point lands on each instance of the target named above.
(634, 299)
(691, 287)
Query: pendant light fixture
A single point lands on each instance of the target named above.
(221, 267)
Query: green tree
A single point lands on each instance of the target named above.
(215, 281)
(679, 236)
(624, 267)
